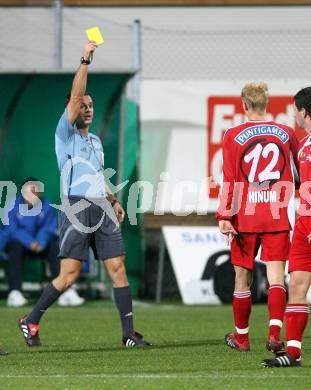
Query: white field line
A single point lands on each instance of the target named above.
(151, 376)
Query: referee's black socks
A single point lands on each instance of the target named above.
(48, 297)
(123, 300)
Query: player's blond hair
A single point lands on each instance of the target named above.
(256, 96)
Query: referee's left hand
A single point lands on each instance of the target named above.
(120, 213)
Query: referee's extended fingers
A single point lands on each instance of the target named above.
(93, 45)
(89, 48)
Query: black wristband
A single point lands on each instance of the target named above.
(85, 61)
(113, 203)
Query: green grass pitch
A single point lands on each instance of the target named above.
(81, 350)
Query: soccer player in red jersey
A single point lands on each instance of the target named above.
(256, 197)
(297, 311)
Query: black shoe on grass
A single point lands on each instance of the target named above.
(3, 353)
(135, 339)
(30, 332)
(275, 346)
(283, 360)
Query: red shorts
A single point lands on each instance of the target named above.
(274, 247)
(300, 253)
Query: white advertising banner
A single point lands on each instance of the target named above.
(195, 253)
(183, 123)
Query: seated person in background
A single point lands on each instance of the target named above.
(32, 236)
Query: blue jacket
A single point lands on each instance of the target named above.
(27, 229)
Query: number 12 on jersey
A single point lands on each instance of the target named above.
(254, 157)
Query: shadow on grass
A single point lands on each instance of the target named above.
(66, 349)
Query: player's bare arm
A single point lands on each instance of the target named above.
(79, 83)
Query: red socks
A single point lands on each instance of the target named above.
(296, 320)
(276, 306)
(296, 316)
(242, 306)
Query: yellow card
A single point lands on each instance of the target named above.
(94, 34)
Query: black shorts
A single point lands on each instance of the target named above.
(95, 226)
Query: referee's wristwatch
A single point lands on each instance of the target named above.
(85, 61)
(114, 202)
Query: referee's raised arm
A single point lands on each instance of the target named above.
(79, 82)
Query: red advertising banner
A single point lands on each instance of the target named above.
(227, 111)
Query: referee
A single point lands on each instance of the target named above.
(90, 214)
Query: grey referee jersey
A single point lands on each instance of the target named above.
(80, 161)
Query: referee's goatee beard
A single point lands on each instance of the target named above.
(81, 125)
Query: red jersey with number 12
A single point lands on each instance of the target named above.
(258, 180)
